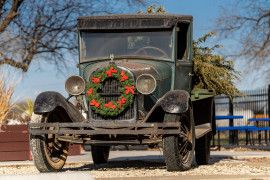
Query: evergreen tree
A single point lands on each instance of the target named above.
(212, 71)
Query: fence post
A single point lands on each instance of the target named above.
(268, 109)
(231, 132)
(269, 101)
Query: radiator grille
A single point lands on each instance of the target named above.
(109, 92)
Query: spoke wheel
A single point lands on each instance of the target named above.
(178, 150)
(49, 155)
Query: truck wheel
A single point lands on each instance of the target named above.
(49, 155)
(202, 150)
(100, 154)
(178, 150)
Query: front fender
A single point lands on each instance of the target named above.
(176, 101)
(49, 101)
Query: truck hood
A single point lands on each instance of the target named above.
(159, 69)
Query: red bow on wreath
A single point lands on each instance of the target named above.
(97, 80)
(124, 77)
(123, 100)
(94, 103)
(90, 92)
(129, 89)
(110, 71)
(110, 105)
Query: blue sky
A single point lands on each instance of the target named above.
(204, 13)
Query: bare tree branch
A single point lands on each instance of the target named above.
(44, 30)
(19, 65)
(11, 15)
(249, 23)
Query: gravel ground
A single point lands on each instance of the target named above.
(218, 168)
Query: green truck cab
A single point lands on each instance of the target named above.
(135, 85)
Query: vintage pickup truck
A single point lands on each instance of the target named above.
(135, 85)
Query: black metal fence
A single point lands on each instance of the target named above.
(255, 105)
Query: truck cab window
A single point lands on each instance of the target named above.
(182, 41)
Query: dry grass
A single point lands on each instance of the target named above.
(25, 110)
(7, 87)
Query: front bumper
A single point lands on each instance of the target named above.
(114, 133)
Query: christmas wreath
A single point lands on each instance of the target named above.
(112, 108)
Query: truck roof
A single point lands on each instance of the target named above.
(131, 21)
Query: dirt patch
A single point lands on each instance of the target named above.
(242, 149)
(266, 160)
(135, 168)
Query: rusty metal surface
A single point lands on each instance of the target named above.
(152, 129)
(137, 68)
(131, 21)
(176, 101)
(49, 100)
(160, 70)
(204, 114)
(137, 16)
(198, 94)
(106, 125)
(110, 142)
(124, 58)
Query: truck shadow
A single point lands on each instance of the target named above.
(125, 164)
(116, 165)
(217, 158)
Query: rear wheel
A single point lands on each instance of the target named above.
(100, 154)
(178, 150)
(202, 149)
(49, 155)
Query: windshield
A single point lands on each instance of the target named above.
(146, 44)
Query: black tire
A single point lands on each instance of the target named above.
(152, 146)
(49, 155)
(178, 150)
(100, 154)
(202, 150)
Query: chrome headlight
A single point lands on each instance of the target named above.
(146, 84)
(75, 85)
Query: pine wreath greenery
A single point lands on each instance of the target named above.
(112, 108)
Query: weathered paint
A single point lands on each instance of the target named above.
(50, 101)
(199, 94)
(131, 21)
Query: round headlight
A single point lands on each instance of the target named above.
(75, 85)
(146, 84)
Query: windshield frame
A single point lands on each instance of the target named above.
(171, 58)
